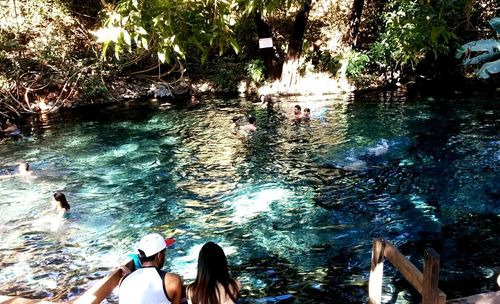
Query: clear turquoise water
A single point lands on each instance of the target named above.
(292, 213)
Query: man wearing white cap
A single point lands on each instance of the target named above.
(149, 284)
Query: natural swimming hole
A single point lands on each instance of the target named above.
(295, 206)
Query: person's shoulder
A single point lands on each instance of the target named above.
(238, 284)
(173, 278)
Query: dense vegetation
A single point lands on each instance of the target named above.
(56, 52)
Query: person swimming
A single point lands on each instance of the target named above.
(307, 114)
(236, 124)
(55, 218)
(251, 126)
(373, 155)
(10, 129)
(297, 112)
(23, 169)
(60, 204)
(380, 149)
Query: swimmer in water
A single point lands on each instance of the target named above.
(380, 149)
(297, 112)
(9, 127)
(54, 222)
(59, 203)
(236, 124)
(307, 114)
(24, 169)
(251, 126)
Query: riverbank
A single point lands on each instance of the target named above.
(51, 59)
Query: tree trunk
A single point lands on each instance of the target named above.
(291, 64)
(267, 55)
(354, 21)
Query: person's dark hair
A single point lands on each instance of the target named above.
(298, 107)
(61, 199)
(212, 269)
(251, 119)
(144, 258)
(307, 110)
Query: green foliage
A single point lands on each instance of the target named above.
(485, 52)
(92, 86)
(170, 29)
(256, 70)
(412, 29)
(353, 63)
(225, 79)
(330, 63)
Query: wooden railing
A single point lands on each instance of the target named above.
(425, 283)
(103, 288)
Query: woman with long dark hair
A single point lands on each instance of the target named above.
(60, 203)
(213, 284)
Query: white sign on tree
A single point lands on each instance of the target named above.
(265, 43)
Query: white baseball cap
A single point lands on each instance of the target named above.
(151, 244)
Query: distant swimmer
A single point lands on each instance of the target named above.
(236, 124)
(54, 218)
(297, 112)
(251, 126)
(60, 204)
(380, 149)
(373, 155)
(22, 170)
(268, 102)
(307, 114)
(10, 129)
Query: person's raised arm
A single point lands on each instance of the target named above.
(173, 286)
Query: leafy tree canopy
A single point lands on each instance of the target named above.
(170, 28)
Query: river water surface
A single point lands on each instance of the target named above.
(295, 206)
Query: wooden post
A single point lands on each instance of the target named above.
(431, 293)
(376, 272)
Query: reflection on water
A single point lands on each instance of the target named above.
(295, 206)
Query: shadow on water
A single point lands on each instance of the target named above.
(294, 206)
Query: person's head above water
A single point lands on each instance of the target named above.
(24, 167)
(236, 120)
(252, 120)
(297, 111)
(61, 201)
(307, 113)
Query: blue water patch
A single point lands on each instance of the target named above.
(295, 206)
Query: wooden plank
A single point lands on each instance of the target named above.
(484, 298)
(103, 288)
(18, 300)
(376, 272)
(403, 265)
(431, 293)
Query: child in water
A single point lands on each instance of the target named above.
(251, 126)
(236, 124)
(307, 114)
